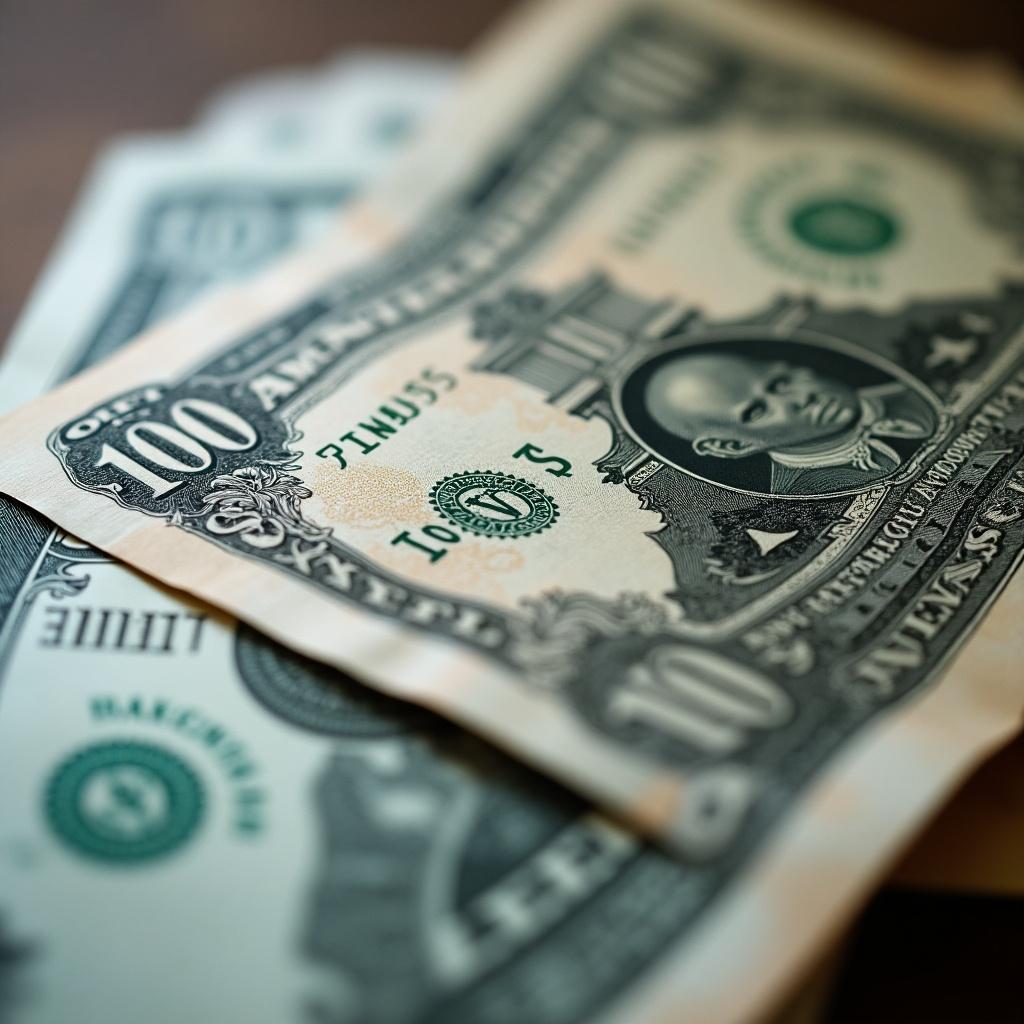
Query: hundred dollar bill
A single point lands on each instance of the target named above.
(674, 444)
(190, 800)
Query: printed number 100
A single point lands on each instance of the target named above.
(183, 448)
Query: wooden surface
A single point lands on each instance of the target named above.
(74, 73)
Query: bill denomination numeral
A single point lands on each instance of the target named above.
(700, 698)
(438, 533)
(184, 448)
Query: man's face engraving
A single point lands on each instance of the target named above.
(730, 406)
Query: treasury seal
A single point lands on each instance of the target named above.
(493, 504)
(831, 222)
(124, 802)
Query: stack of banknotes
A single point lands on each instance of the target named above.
(540, 567)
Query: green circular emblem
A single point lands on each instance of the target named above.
(124, 802)
(828, 219)
(842, 226)
(493, 504)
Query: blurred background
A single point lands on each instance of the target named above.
(943, 941)
(73, 73)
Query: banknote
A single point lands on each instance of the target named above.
(673, 443)
(162, 195)
(192, 800)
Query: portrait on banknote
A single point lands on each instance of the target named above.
(807, 417)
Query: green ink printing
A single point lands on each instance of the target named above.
(492, 504)
(124, 802)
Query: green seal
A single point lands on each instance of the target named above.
(829, 223)
(493, 504)
(843, 226)
(124, 802)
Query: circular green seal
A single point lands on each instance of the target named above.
(843, 226)
(124, 802)
(493, 504)
(828, 219)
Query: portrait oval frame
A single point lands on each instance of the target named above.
(798, 337)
